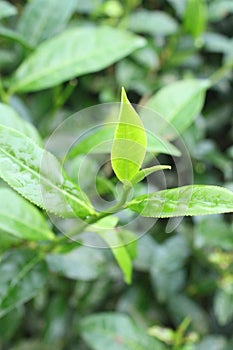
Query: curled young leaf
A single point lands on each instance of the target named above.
(147, 171)
(130, 142)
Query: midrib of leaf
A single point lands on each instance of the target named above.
(178, 202)
(33, 77)
(45, 180)
(15, 219)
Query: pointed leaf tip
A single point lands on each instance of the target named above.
(130, 142)
(124, 98)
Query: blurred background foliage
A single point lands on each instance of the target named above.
(181, 297)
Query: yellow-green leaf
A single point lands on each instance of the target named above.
(130, 142)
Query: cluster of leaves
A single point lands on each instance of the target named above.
(174, 57)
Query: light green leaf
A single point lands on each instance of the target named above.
(179, 103)
(7, 9)
(22, 275)
(195, 17)
(116, 331)
(147, 171)
(10, 118)
(50, 18)
(21, 219)
(100, 141)
(121, 242)
(75, 52)
(37, 175)
(130, 142)
(183, 201)
(152, 22)
(14, 36)
(166, 335)
(114, 241)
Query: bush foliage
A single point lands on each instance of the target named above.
(174, 287)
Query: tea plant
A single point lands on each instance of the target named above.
(53, 286)
(37, 175)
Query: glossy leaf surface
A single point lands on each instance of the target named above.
(21, 219)
(183, 201)
(130, 142)
(37, 175)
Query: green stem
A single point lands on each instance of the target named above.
(220, 73)
(123, 199)
(92, 220)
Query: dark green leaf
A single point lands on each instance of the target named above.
(7, 241)
(22, 275)
(214, 233)
(9, 323)
(180, 306)
(33, 345)
(14, 36)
